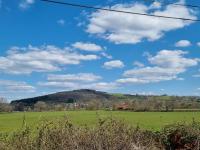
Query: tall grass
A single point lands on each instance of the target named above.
(108, 134)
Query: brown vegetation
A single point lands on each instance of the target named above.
(4, 105)
(108, 134)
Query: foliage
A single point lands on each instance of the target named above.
(4, 106)
(107, 134)
(95, 100)
(182, 136)
(40, 106)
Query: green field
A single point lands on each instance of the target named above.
(147, 120)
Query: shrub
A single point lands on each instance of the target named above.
(182, 136)
(108, 134)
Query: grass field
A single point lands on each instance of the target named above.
(148, 120)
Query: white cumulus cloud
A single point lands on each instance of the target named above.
(103, 86)
(25, 60)
(78, 81)
(113, 64)
(138, 64)
(80, 77)
(183, 43)
(172, 59)
(123, 28)
(87, 46)
(168, 65)
(106, 55)
(15, 86)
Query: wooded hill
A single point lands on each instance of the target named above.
(106, 100)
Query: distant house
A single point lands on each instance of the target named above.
(122, 106)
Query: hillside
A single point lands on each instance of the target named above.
(134, 102)
(67, 97)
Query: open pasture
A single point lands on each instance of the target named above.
(147, 120)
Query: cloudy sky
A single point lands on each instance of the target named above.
(45, 48)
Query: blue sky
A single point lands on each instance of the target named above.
(45, 48)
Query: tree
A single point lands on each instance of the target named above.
(59, 107)
(40, 106)
(169, 105)
(4, 105)
(94, 105)
(158, 105)
(19, 106)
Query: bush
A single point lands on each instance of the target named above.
(182, 136)
(108, 134)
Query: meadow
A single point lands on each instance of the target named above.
(146, 120)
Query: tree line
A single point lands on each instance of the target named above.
(140, 103)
